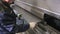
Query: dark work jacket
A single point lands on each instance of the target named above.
(9, 15)
(7, 19)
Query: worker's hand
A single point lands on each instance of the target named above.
(32, 25)
(19, 16)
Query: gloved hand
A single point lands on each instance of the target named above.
(19, 16)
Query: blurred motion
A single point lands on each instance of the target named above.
(29, 17)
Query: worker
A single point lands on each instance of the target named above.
(8, 19)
